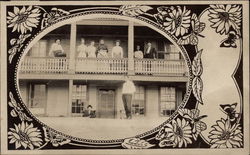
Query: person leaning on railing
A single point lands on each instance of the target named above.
(56, 49)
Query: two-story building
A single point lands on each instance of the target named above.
(64, 86)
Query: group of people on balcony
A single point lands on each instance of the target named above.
(101, 51)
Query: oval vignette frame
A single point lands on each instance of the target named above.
(107, 14)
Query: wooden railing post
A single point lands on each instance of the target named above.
(131, 65)
(72, 48)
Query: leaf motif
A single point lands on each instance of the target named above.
(197, 87)
(24, 117)
(13, 41)
(13, 113)
(10, 104)
(134, 10)
(136, 143)
(196, 64)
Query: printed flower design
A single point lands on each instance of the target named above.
(17, 44)
(225, 135)
(25, 135)
(175, 134)
(225, 16)
(24, 19)
(175, 20)
(195, 120)
(54, 138)
(51, 17)
(136, 143)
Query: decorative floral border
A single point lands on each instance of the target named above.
(184, 129)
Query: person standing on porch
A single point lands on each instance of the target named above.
(117, 51)
(128, 90)
(56, 48)
(138, 53)
(150, 51)
(102, 50)
(81, 49)
(91, 50)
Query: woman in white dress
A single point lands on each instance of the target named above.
(117, 51)
(91, 50)
(138, 55)
(81, 49)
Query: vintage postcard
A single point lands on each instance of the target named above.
(125, 77)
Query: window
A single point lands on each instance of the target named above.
(79, 99)
(172, 52)
(39, 49)
(138, 104)
(37, 98)
(167, 101)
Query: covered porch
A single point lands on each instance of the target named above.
(168, 62)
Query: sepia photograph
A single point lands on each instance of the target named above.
(124, 77)
(107, 83)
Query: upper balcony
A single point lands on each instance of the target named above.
(103, 65)
(168, 65)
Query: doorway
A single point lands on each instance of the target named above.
(106, 103)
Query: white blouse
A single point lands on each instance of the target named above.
(128, 87)
(81, 49)
(55, 47)
(91, 51)
(117, 52)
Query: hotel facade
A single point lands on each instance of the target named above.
(65, 86)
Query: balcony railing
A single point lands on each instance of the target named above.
(104, 66)
(101, 65)
(44, 65)
(160, 67)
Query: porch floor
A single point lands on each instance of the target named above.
(101, 129)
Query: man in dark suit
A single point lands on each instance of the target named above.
(149, 52)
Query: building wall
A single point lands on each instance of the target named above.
(152, 102)
(119, 103)
(92, 96)
(57, 98)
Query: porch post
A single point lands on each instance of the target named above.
(131, 67)
(72, 48)
(70, 98)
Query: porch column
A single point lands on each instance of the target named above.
(131, 66)
(70, 98)
(72, 48)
